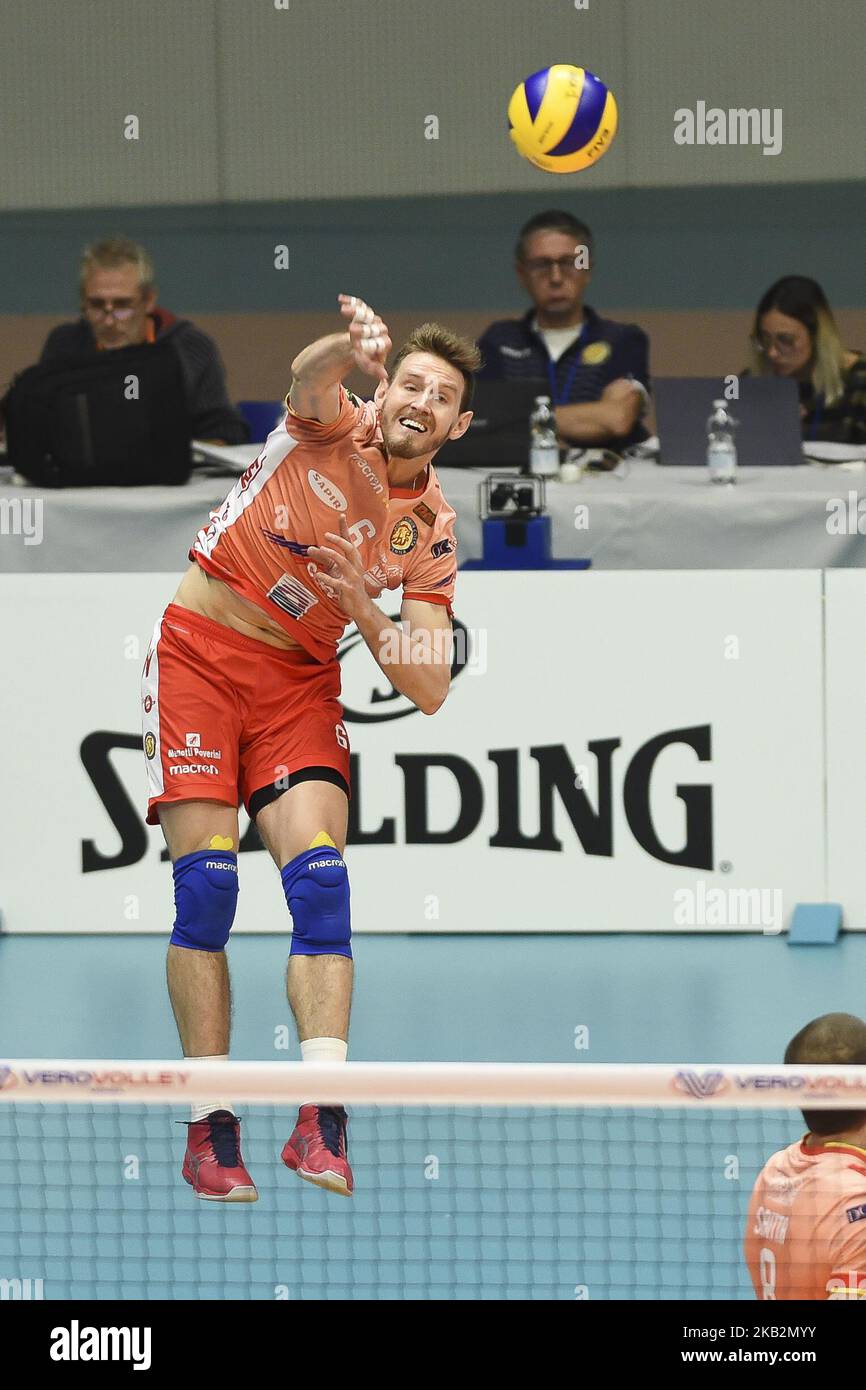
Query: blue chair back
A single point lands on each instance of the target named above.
(261, 416)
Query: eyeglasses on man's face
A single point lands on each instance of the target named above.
(119, 309)
(543, 266)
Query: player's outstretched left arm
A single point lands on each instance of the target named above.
(415, 654)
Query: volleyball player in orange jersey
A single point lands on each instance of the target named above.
(241, 691)
(806, 1228)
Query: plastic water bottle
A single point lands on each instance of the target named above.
(543, 443)
(721, 449)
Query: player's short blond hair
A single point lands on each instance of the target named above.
(445, 343)
(114, 251)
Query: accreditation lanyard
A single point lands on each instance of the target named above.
(561, 397)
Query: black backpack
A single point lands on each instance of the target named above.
(116, 417)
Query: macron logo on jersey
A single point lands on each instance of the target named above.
(369, 473)
(857, 1213)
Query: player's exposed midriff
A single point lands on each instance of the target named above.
(202, 593)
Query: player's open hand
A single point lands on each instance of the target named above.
(368, 334)
(341, 572)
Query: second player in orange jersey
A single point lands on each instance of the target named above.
(806, 1227)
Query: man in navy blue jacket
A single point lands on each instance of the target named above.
(595, 371)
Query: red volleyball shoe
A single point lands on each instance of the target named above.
(212, 1164)
(317, 1148)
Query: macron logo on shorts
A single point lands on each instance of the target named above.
(216, 864)
(326, 864)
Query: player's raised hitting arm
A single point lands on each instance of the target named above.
(318, 370)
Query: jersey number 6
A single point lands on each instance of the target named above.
(358, 531)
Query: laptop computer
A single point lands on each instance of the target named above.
(768, 432)
(499, 433)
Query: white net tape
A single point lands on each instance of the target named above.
(668, 1085)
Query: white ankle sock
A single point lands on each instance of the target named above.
(324, 1050)
(207, 1107)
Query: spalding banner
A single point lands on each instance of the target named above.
(618, 752)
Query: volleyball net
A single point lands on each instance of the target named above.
(472, 1180)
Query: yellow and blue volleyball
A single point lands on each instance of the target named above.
(562, 118)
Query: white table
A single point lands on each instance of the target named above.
(653, 518)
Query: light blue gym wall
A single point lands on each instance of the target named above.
(468, 998)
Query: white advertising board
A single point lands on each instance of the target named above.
(629, 752)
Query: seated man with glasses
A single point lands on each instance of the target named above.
(795, 335)
(119, 309)
(595, 371)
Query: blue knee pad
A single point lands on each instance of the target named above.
(205, 898)
(317, 891)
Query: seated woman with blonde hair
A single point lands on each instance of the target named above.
(795, 335)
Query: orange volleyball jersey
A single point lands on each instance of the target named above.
(306, 474)
(806, 1228)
